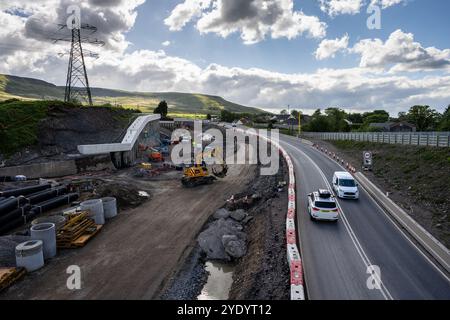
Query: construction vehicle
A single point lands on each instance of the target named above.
(155, 155)
(198, 173)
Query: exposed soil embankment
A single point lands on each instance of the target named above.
(417, 178)
(263, 274)
(54, 129)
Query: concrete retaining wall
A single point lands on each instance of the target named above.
(42, 170)
(55, 169)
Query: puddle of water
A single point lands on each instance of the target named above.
(219, 281)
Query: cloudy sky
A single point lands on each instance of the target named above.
(263, 53)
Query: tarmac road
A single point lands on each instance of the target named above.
(336, 255)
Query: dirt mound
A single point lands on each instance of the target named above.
(127, 195)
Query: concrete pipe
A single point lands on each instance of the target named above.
(95, 207)
(59, 221)
(109, 207)
(46, 232)
(29, 255)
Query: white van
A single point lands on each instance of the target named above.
(345, 186)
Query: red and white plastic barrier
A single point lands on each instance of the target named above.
(336, 158)
(293, 254)
(294, 259)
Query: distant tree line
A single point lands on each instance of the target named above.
(228, 116)
(337, 120)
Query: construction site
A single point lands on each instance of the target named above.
(93, 191)
(204, 153)
(138, 226)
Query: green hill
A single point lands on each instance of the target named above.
(179, 103)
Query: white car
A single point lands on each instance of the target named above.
(322, 206)
(345, 186)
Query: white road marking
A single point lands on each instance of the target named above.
(384, 291)
(402, 232)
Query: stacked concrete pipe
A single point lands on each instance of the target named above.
(29, 255)
(95, 207)
(109, 207)
(46, 232)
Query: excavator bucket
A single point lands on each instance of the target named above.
(220, 171)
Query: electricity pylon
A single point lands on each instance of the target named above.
(77, 82)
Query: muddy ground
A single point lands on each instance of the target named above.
(263, 273)
(417, 179)
(136, 252)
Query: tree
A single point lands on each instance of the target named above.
(377, 116)
(355, 118)
(208, 116)
(335, 117)
(227, 116)
(162, 109)
(318, 123)
(423, 117)
(283, 112)
(402, 116)
(295, 114)
(444, 124)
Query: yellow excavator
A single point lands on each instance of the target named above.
(198, 173)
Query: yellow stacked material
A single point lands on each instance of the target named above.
(77, 231)
(10, 275)
(145, 166)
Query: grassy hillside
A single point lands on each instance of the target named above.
(19, 124)
(416, 177)
(179, 103)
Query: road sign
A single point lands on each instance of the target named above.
(367, 160)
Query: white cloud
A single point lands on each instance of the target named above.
(166, 43)
(253, 19)
(362, 88)
(356, 89)
(387, 3)
(329, 48)
(401, 53)
(27, 28)
(185, 12)
(338, 7)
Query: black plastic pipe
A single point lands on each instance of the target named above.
(4, 228)
(53, 203)
(46, 195)
(20, 212)
(24, 191)
(10, 204)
